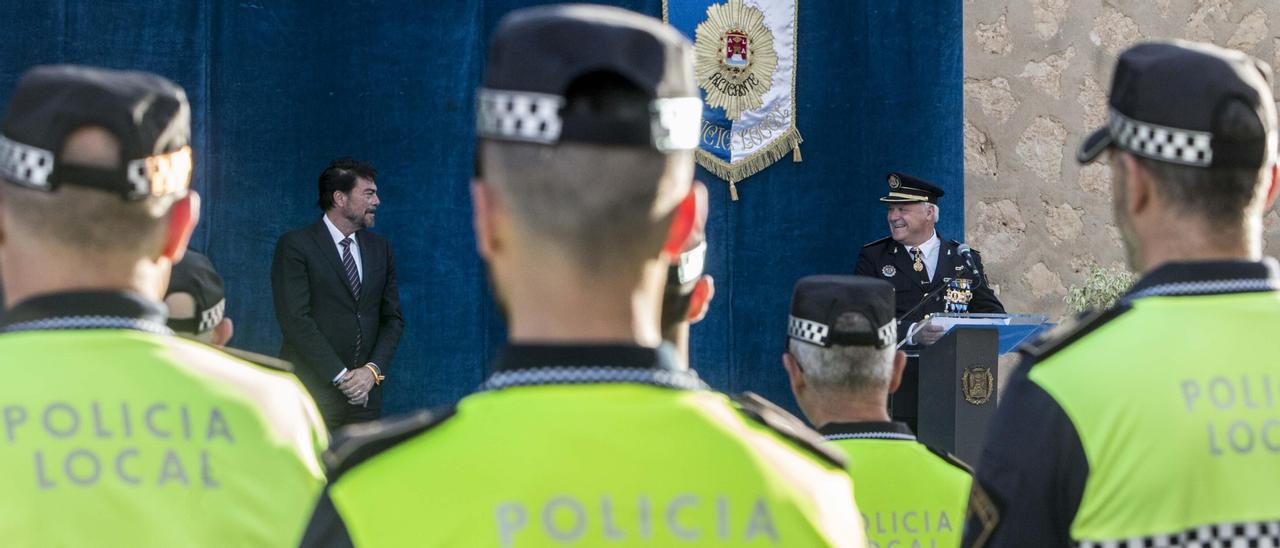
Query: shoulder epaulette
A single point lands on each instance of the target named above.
(360, 442)
(877, 242)
(779, 420)
(951, 459)
(1071, 331)
(259, 359)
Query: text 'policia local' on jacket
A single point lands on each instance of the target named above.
(1155, 423)
(117, 433)
(592, 446)
(909, 493)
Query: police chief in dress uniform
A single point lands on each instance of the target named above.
(117, 432)
(589, 431)
(920, 265)
(1156, 422)
(842, 365)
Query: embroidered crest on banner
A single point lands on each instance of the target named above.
(734, 57)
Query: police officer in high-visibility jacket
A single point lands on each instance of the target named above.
(589, 431)
(842, 366)
(1154, 423)
(116, 432)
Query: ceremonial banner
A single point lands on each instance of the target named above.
(745, 62)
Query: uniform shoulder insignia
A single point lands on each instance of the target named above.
(360, 442)
(878, 242)
(1071, 331)
(779, 420)
(950, 459)
(259, 359)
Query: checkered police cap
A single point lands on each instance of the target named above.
(538, 54)
(818, 301)
(147, 114)
(195, 276)
(1170, 102)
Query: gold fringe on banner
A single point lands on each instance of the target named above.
(760, 159)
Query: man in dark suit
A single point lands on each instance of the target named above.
(920, 264)
(334, 287)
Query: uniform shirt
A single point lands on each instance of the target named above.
(908, 493)
(1155, 423)
(591, 446)
(337, 243)
(117, 433)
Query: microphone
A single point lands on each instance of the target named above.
(967, 254)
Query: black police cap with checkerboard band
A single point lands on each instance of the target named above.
(817, 302)
(538, 54)
(1176, 101)
(194, 275)
(147, 114)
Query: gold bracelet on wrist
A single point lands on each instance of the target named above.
(377, 378)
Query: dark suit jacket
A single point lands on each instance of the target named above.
(320, 317)
(890, 260)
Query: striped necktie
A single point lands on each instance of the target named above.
(349, 264)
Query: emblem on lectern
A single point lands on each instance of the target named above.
(977, 384)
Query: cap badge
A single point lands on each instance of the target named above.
(894, 181)
(734, 57)
(888, 271)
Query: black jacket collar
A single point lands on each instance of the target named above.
(1208, 278)
(536, 365)
(86, 310)
(871, 429)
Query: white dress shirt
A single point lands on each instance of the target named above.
(929, 251)
(355, 246)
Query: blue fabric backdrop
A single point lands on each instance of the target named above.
(281, 88)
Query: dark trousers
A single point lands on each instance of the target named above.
(904, 404)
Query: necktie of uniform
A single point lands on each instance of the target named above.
(349, 264)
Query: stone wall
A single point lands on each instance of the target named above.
(1036, 78)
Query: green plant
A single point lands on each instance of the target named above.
(1101, 287)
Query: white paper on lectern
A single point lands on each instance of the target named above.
(948, 321)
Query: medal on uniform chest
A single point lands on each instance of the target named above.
(959, 293)
(919, 264)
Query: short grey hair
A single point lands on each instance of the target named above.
(846, 368)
